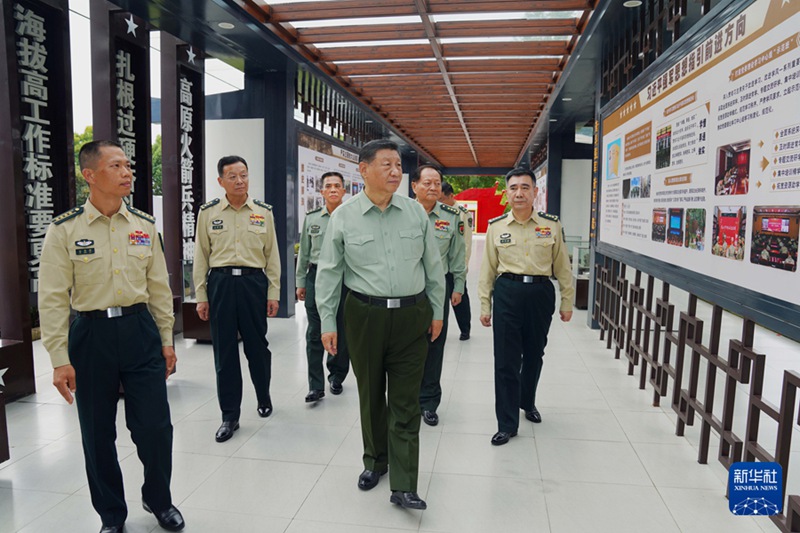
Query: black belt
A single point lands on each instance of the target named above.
(238, 271)
(114, 312)
(312, 266)
(390, 303)
(525, 278)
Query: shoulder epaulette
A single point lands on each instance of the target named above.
(464, 209)
(262, 204)
(314, 211)
(142, 214)
(72, 213)
(548, 216)
(450, 209)
(206, 205)
(495, 219)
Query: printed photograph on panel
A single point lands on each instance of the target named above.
(626, 188)
(659, 224)
(730, 225)
(675, 227)
(695, 229)
(775, 235)
(663, 147)
(732, 175)
(613, 156)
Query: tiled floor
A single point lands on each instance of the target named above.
(603, 459)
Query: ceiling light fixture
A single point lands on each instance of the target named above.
(632, 3)
(553, 120)
(226, 25)
(566, 99)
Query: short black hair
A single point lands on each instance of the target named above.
(447, 189)
(328, 175)
(368, 151)
(417, 174)
(520, 171)
(229, 160)
(91, 151)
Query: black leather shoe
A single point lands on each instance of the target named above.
(407, 500)
(534, 416)
(464, 336)
(169, 519)
(336, 387)
(265, 409)
(430, 418)
(501, 437)
(315, 396)
(226, 430)
(111, 529)
(369, 479)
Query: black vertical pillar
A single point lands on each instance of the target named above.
(554, 166)
(183, 157)
(120, 45)
(273, 92)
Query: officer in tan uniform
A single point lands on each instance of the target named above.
(237, 274)
(462, 311)
(106, 260)
(523, 249)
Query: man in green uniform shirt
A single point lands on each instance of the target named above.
(448, 230)
(523, 249)
(237, 276)
(462, 312)
(314, 226)
(106, 259)
(382, 245)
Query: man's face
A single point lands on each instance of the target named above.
(429, 186)
(332, 190)
(235, 179)
(521, 192)
(383, 173)
(110, 174)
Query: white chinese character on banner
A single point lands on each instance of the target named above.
(186, 140)
(32, 55)
(39, 195)
(186, 92)
(34, 85)
(186, 172)
(186, 118)
(124, 68)
(188, 250)
(36, 138)
(29, 23)
(38, 220)
(125, 121)
(129, 147)
(187, 196)
(35, 246)
(38, 168)
(125, 96)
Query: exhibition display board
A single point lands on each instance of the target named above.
(701, 168)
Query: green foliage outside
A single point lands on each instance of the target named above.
(82, 188)
(462, 183)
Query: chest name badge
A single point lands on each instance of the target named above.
(314, 230)
(139, 238)
(216, 224)
(441, 225)
(543, 232)
(257, 220)
(505, 238)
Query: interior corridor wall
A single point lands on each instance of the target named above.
(576, 196)
(242, 137)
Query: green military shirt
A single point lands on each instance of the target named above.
(95, 262)
(448, 229)
(390, 253)
(227, 237)
(466, 218)
(314, 226)
(533, 247)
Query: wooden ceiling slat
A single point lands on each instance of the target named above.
(507, 28)
(530, 48)
(341, 9)
(475, 6)
(374, 32)
(422, 51)
(380, 68)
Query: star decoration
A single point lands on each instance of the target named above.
(2, 371)
(191, 55)
(131, 25)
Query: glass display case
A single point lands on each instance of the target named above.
(580, 260)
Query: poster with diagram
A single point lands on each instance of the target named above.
(701, 169)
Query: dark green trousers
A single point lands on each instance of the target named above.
(463, 313)
(106, 353)
(430, 395)
(339, 364)
(522, 316)
(238, 306)
(388, 347)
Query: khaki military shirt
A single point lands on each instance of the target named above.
(466, 218)
(227, 237)
(390, 253)
(95, 262)
(448, 230)
(534, 247)
(314, 226)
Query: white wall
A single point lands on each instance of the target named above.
(243, 137)
(576, 196)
